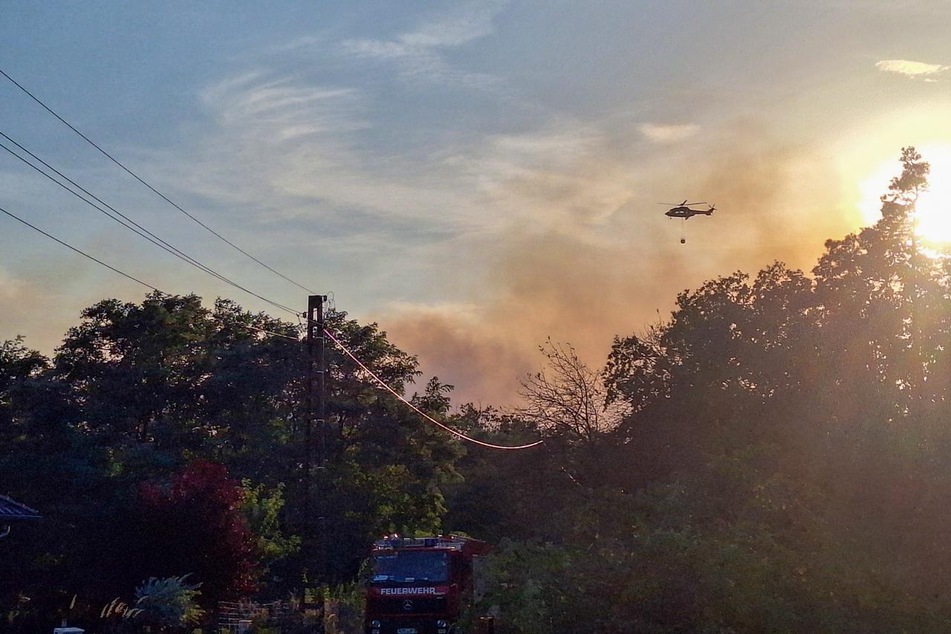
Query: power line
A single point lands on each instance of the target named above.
(80, 252)
(143, 182)
(401, 398)
(141, 231)
(124, 220)
(124, 274)
(339, 344)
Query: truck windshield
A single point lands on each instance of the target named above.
(407, 567)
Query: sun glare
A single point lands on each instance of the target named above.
(933, 209)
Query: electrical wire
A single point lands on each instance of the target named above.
(339, 344)
(123, 273)
(124, 220)
(80, 252)
(401, 398)
(150, 187)
(141, 231)
(271, 332)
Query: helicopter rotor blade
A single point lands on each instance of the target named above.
(683, 204)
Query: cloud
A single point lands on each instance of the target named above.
(465, 25)
(283, 105)
(286, 166)
(911, 69)
(420, 53)
(657, 133)
(293, 147)
(556, 176)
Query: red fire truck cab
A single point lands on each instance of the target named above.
(420, 585)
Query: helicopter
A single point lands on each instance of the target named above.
(683, 210)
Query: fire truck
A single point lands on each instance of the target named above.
(420, 585)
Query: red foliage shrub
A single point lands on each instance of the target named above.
(193, 525)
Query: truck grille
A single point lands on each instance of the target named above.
(410, 605)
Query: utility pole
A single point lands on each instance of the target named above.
(316, 380)
(315, 431)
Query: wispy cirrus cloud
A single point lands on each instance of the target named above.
(274, 136)
(420, 53)
(283, 105)
(563, 174)
(913, 69)
(659, 133)
(297, 149)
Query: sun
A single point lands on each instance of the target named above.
(933, 208)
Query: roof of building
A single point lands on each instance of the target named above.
(11, 510)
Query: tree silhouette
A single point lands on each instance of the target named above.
(785, 461)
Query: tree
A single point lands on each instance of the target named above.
(139, 391)
(193, 525)
(876, 291)
(567, 397)
(132, 367)
(384, 466)
(784, 456)
(567, 402)
(171, 374)
(47, 462)
(516, 495)
(721, 376)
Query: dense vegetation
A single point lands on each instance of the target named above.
(775, 457)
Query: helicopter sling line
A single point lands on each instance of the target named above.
(148, 186)
(405, 401)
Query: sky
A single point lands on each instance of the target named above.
(475, 177)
